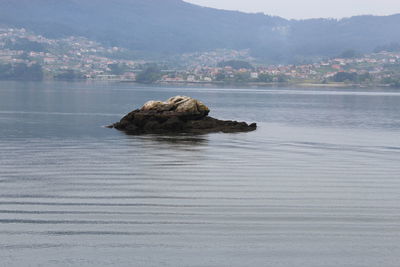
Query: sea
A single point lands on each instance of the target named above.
(316, 185)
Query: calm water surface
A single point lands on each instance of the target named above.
(318, 184)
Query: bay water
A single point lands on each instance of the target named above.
(318, 183)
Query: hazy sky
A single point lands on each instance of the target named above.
(300, 9)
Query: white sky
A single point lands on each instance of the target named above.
(302, 9)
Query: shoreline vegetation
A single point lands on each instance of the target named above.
(200, 83)
(25, 74)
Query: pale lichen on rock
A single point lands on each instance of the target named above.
(181, 104)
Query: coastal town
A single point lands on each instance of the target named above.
(27, 56)
(65, 58)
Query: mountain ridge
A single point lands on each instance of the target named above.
(168, 27)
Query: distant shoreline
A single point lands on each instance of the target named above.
(300, 84)
(200, 83)
(272, 84)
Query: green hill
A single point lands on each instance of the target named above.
(167, 27)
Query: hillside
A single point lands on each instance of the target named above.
(167, 27)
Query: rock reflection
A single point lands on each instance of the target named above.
(178, 139)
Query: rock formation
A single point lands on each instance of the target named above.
(179, 114)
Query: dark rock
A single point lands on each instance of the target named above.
(177, 115)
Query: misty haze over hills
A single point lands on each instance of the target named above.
(167, 27)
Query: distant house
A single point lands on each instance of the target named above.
(330, 74)
(49, 60)
(191, 78)
(254, 75)
(130, 76)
